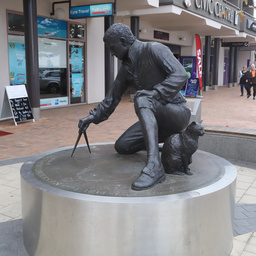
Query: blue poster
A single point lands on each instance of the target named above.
(51, 27)
(192, 87)
(77, 83)
(17, 63)
(76, 59)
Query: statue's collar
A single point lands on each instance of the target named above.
(136, 46)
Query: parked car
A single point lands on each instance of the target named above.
(50, 81)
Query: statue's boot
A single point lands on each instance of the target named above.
(149, 177)
(153, 173)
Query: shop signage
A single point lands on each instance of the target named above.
(192, 87)
(187, 3)
(19, 105)
(217, 8)
(51, 102)
(78, 12)
(235, 44)
(161, 35)
(251, 25)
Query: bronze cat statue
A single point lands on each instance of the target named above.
(178, 149)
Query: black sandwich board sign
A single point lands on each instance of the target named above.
(192, 87)
(16, 104)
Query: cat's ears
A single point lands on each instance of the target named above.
(201, 121)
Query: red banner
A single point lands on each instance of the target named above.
(199, 60)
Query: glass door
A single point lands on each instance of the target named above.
(77, 81)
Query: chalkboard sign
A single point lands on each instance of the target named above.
(192, 87)
(21, 109)
(18, 103)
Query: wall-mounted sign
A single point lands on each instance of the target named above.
(161, 35)
(251, 25)
(187, 3)
(217, 9)
(78, 12)
(235, 44)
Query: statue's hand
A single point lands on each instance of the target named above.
(84, 123)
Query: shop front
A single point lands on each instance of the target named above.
(61, 54)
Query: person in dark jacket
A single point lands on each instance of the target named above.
(157, 77)
(252, 82)
(244, 74)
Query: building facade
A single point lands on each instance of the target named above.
(72, 60)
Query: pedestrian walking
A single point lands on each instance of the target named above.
(244, 75)
(252, 82)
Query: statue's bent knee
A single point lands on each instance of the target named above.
(120, 147)
(143, 102)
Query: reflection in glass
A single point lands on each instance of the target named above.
(76, 31)
(52, 68)
(16, 22)
(53, 81)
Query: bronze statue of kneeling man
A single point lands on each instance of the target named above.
(155, 73)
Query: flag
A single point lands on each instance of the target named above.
(199, 60)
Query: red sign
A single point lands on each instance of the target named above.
(199, 60)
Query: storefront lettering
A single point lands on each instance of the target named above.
(219, 10)
(75, 12)
(199, 62)
(205, 5)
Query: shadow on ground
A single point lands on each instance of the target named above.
(11, 241)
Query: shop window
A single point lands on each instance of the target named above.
(61, 79)
(52, 72)
(76, 31)
(16, 22)
(77, 85)
(17, 60)
(51, 27)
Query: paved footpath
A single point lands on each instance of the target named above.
(221, 109)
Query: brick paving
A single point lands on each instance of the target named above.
(223, 110)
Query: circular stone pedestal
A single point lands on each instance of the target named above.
(84, 205)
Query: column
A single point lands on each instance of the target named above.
(135, 26)
(235, 69)
(215, 63)
(207, 57)
(31, 49)
(109, 59)
(231, 66)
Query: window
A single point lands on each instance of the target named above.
(16, 22)
(76, 31)
(61, 78)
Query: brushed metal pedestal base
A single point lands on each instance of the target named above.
(84, 206)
